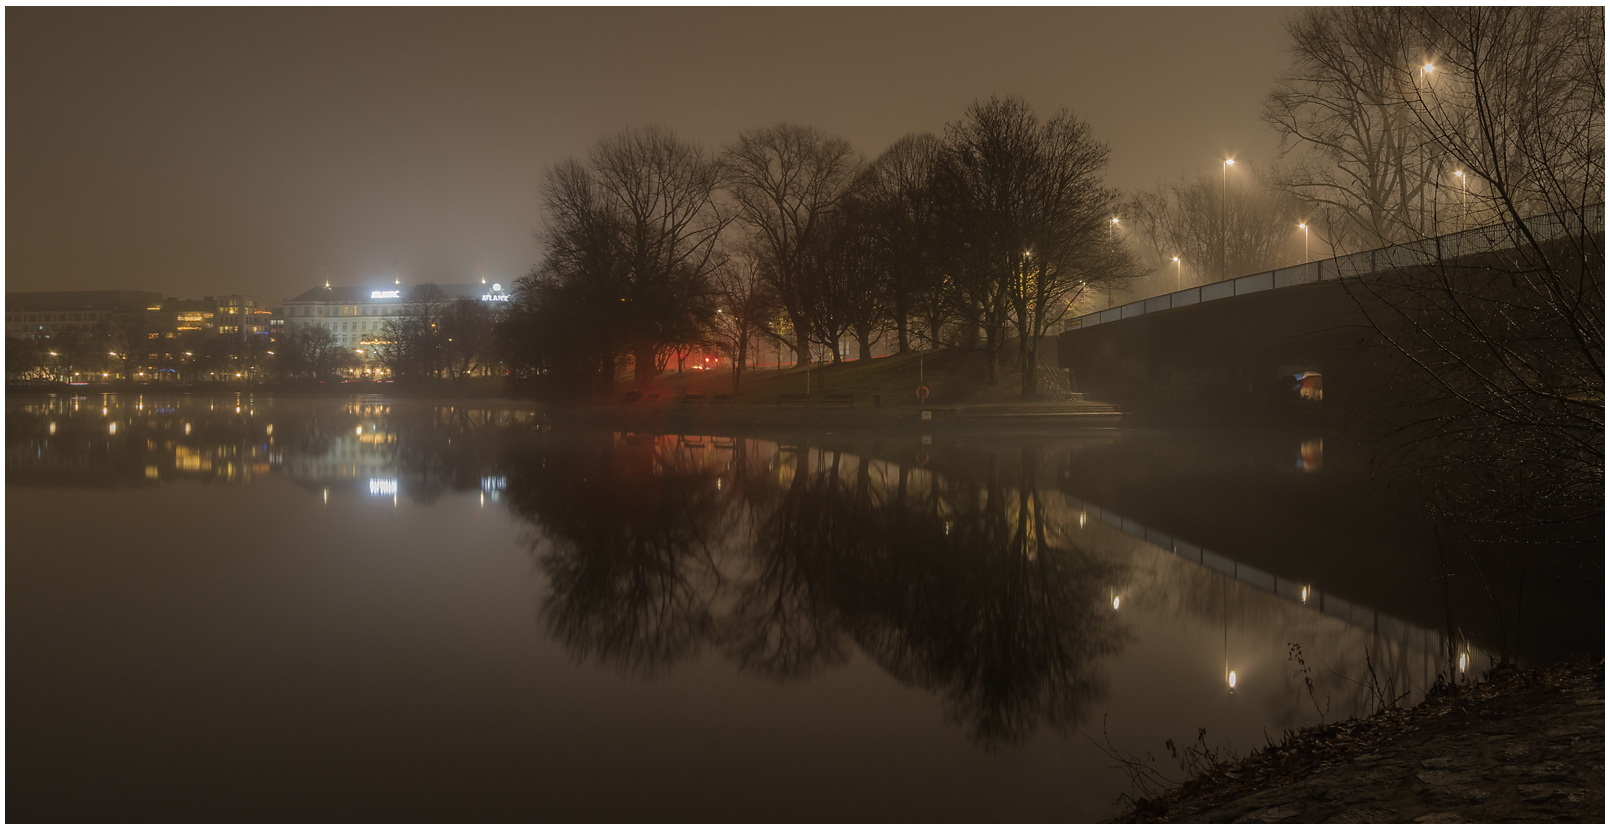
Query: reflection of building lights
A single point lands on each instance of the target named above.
(1305, 593)
(1464, 662)
(1232, 680)
(1115, 601)
(111, 429)
(270, 429)
(1081, 518)
(186, 429)
(52, 427)
(360, 431)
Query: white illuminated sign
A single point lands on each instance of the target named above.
(384, 295)
(382, 487)
(495, 298)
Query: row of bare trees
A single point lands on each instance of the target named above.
(789, 238)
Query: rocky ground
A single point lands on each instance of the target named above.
(1525, 746)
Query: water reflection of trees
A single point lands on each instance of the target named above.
(624, 534)
(783, 561)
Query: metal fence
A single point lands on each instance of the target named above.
(1410, 254)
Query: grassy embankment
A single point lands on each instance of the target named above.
(953, 377)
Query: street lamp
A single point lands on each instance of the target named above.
(1224, 239)
(1179, 274)
(1304, 226)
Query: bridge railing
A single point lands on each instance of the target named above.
(1406, 255)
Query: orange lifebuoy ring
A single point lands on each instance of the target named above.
(922, 392)
(922, 459)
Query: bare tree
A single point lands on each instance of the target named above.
(662, 189)
(411, 340)
(633, 243)
(1353, 149)
(1202, 221)
(1500, 330)
(784, 181)
(746, 306)
(1029, 218)
(467, 327)
(898, 190)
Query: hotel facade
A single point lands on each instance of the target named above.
(356, 315)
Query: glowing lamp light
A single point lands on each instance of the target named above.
(1464, 662)
(1232, 680)
(360, 431)
(1305, 593)
(1428, 68)
(1229, 162)
(1115, 601)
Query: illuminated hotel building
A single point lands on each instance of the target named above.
(356, 314)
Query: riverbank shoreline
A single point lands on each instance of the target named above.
(1527, 745)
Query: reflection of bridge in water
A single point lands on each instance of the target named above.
(1379, 623)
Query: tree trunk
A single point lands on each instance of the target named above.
(1028, 363)
(643, 360)
(992, 346)
(738, 366)
(863, 342)
(802, 348)
(902, 316)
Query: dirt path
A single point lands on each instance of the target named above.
(1527, 746)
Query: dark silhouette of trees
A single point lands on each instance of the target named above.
(898, 193)
(411, 341)
(1027, 219)
(305, 351)
(785, 181)
(632, 249)
(746, 309)
(468, 327)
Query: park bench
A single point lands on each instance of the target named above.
(838, 399)
(724, 401)
(689, 401)
(793, 399)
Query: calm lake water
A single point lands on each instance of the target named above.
(245, 609)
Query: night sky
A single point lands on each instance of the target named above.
(260, 152)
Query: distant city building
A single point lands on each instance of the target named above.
(356, 314)
(53, 313)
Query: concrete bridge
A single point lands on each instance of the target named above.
(1289, 339)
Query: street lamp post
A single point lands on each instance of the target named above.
(1179, 274)
(1224, 243)
(1464, 191)
(1304, 226)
